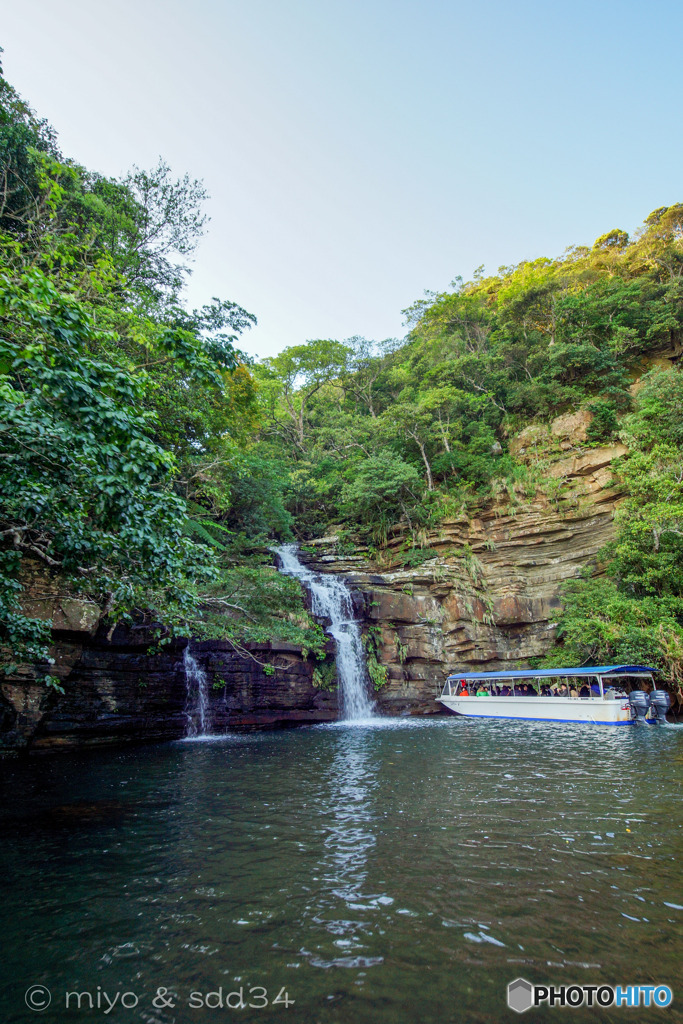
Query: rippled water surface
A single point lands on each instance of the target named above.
(401, 871)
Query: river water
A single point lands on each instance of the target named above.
(399, 871)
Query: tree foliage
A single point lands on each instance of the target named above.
(403, 433)
(128, 434)
(480, 362)
(151, 464)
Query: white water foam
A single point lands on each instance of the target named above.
(197, 700)
(331, 599)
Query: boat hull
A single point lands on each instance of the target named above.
(591, 711)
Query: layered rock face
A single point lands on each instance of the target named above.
(116, 691)
(487, 595)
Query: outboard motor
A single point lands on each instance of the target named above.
(661, 702)
(640, 705)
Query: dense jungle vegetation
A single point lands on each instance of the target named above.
(129, 424)
(149, 462)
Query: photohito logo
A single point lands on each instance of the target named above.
(522, 995)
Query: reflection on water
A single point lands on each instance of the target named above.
(394, 870)
(348, 840)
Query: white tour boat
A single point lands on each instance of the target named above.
(597, 695)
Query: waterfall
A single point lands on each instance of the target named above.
(331, 599)
(197, 700)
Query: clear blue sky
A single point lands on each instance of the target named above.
(358, 153)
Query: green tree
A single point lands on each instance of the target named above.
(382, 490)
(129, 459)
(301, 371)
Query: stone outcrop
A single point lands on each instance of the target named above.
(487, 595)
(117, 691)
(572, 427)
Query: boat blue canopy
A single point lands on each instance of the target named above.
(546, 673)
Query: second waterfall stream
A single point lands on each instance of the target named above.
(331, 599)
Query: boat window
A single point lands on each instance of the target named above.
(581, 687)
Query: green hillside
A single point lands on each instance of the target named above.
(150, 464)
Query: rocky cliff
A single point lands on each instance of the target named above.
(117, 690)
(487, 594)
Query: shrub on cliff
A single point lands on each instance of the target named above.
(636, 613)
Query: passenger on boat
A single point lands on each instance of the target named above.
(573, 693)
(562, 691)
(505, 691)
(464, 692)
(584, 691)
(482, 691)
